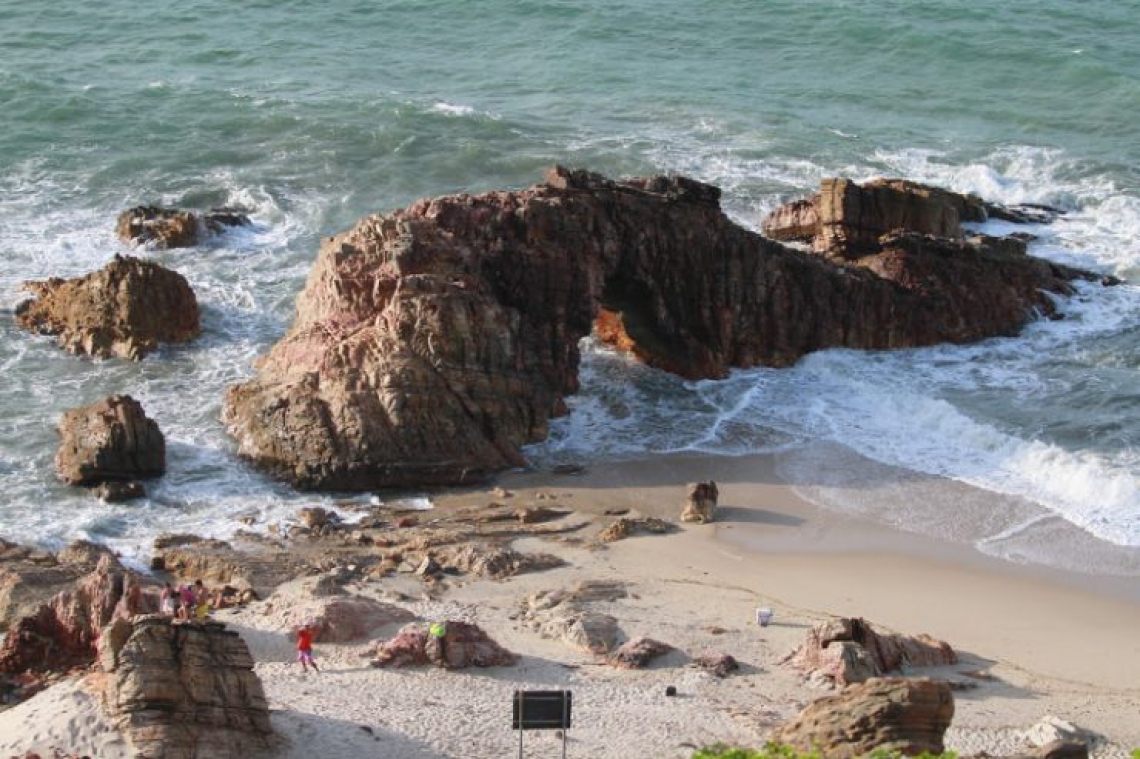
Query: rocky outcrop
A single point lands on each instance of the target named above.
(347, 619)
(850, 650)
(172, 228)
(700, 506)
(259, 567)
(184, 691)
(907, 716)
(463, 645)
(494, 561)
(126, 309)
(112, 440)
(30, 578)
(64, 631)
(846, 220)
(566, 615)
(431, 343)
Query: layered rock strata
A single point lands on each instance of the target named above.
(173, 228)
(184, 691)
(431, 343)
(891, 715)
(112, 440)
(125, 309)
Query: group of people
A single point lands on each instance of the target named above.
(186, 602)
(194, 602)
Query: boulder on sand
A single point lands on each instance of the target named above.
(112, 440)
(907, 716)
(185, 691)
(125, 309)
(463, 645)
(847, 650)
(638, 653)
(700, 506)
(433, 342)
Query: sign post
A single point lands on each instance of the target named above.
(541, 710)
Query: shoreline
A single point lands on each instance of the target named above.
(1053, 621)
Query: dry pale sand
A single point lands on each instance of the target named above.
(1051, 643)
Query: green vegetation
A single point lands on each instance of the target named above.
(1136, 753)
(780, 751)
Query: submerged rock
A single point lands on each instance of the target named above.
(112, 440)
(889, 715)
(849, 650)
(433, 342)
(174, 228)
(126, 309)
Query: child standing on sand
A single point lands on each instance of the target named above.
(305, 647)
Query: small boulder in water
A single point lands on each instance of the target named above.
(125, 309)
(112, 440)
(174, 228)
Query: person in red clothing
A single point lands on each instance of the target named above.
(305, 647)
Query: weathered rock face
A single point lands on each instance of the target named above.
(850, 650)
(30, 578)
(172, 228)
(566, 615)
(125, 309)
(110, 440)
(908, 716)
(700, 506)
(464, 645)
(64, 632)
(431, 343)
(183, 691)
(349, 619)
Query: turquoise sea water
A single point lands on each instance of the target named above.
(311, 115)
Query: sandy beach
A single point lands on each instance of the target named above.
(1032, 642)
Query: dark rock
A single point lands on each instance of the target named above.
(120, 492)
(700, 506)
(125, 309)
(431, 343)
(638, 653)
(719, 664)
(463, 645)
(112, 440)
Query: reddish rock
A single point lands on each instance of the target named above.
(907, 716)
(125, 309)
(353, 618)
(63, 632)
(431, 343)
(638, 653)
(30, 578)
(797, 221)
(464, 645)
(849, 650)
(111, 440)
(716, 663)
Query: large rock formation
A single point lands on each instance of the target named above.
(849, 650)
(125, 309)
(172, 228)
(112, 440)
(907, 716)
(432, 342)
(64, 631)
(184, 691)
(566, 614)
(462, 645)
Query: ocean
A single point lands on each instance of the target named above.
(312, 115)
